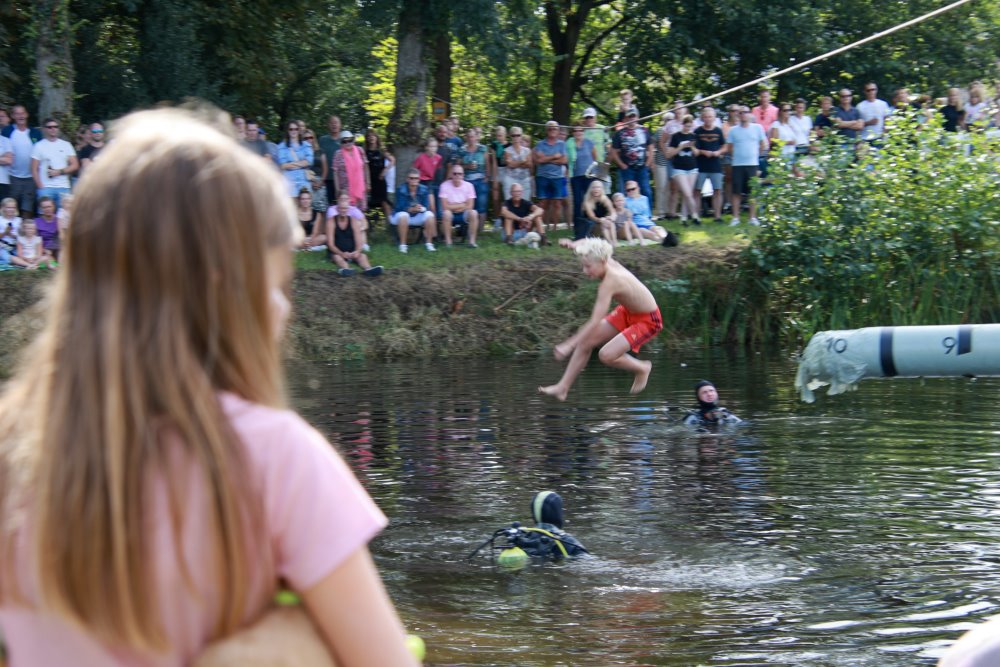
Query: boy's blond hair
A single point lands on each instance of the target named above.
(8, 201)
(593, 249)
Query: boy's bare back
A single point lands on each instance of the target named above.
(626, 289)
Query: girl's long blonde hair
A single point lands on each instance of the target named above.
(161, 303)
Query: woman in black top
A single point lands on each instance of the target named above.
(377, 170)
(311, 221)
(682, 154)
(599, 210)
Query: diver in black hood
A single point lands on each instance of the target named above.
(709, 411)
(546, 540)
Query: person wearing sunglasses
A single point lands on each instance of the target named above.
(295, 157)
(457, 198)
(873, 112)
(93, 147)
(52, 161)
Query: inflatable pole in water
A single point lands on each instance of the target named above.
(842, 358)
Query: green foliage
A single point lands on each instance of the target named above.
(907, 235)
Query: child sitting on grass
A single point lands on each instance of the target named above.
(631, 325)
(344, 241)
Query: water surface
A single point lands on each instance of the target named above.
(860, 530)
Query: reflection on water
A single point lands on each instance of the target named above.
(860, 530)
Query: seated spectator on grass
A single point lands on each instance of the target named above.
(344, 207)
(31, 253)
(10, 224)
(414, 207)
(638, 204)
(457, 198)
(48, 225)
(63, 217)
(345, 246)
(624, 225)
(520, 216)
(600, 211)
(311, 220)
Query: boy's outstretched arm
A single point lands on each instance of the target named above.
(597, 315)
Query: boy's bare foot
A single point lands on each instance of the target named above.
(556, 391)
(562, 352)
(641, 377)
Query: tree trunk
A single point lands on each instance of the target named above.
(564, 28)
(442, 72)
(53, 61)
(408, 123)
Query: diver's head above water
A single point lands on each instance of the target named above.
(706, 394)
(546, 507)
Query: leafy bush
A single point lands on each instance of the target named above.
(905, 234)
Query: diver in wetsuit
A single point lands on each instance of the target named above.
(709, 411)
(546, 539)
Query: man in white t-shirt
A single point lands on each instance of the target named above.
(22, 141)
(6, 159)
(52, 161)
(873, 112)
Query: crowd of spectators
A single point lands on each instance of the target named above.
(463, 179)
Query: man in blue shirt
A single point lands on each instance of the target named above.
(550, 174)
(414, 206)
(747, 142)
(847, 118)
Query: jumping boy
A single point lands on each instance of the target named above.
(632, 324)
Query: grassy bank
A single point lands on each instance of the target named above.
(495, 299)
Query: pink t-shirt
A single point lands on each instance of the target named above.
(456, 195)
(765, 116)
(352, 211)
(316, 515)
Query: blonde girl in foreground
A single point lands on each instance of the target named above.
(165, 490)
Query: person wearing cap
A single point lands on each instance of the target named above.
(350, 171)
(597, 134)
(631, 150)
(550, 174)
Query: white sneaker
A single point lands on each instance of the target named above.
(430, 247)
(366, 248)
(755, 222)
(318, 248)
(735, 222)
(636, 241)
(403, 248)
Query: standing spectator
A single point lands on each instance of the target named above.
(317, 173)
(414, 207)
(517, 157)
(475, 158)
(847, 120)
(428, 165)
(498, 149)
(581, 154)
(782, 132)
(240, 125)
(295, 158)
(453, 128)
(631, 150)
(457, 198)
(330, 143)
(683, 158)
(711, 145)
(976, 106)
(22, 141)
(378, 169)
(765, 113)
(350, 171)
(6, 159)
(52, 161)
(447, 152)
(873, 113)
(954, 111)
(747, 142)
(254, 142)
(4, 118)
(598, 134)
(661, 164)
(626, 101)
(732, 120)
(93, 147)
(550, 173)
(823, 123)
(802, 126)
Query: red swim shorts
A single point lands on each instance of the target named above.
(639, 328)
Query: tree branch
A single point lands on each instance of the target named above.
(589, 51)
